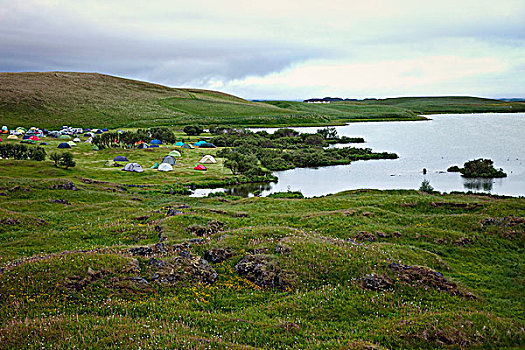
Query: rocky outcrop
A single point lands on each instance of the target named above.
(262, 270)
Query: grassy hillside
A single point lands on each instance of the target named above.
(320, 273)
(96, 100)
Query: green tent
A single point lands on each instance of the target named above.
(71, 143)
(64, 137)
(175, 154)
(155, 166)
(95, 148)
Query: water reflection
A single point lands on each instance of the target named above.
(244, 190)
(478, 184)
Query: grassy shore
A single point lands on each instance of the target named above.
(97, 101)
(68, 276)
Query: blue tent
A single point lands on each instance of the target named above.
(180, 144)
(156, 142)
(153, 146)
(207, 145)
(86, 130)
(120, 159)
(98, 132)
(25, 137)
(64, 145)
(198, 144)
(105, 129)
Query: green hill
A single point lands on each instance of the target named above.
(52, 99)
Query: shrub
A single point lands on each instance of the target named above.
(454, 169)
(425, 187)
(193, 130)
(67, 160)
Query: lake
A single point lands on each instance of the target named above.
(436, 144)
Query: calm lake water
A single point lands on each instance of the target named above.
(436, 144)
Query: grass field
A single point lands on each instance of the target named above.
(67, 277)
(96, 101)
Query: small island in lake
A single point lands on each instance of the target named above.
(478, 168)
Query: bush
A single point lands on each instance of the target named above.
(481, 168)
(193, 130)
(425, 187)
(62, 159)
(22, 152)
(287, 194)
(454, 169)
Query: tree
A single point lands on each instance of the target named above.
(425, 187)
(481, 168)
(55, 157)
(193, 130)
(328, 133)
(67, 160)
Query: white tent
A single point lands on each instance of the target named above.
(165, 167)
(208, 159)
(77, 140)
(133, 167)
(89, 140)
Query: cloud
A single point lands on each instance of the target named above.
(291, 49)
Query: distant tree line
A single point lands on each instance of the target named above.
(129, 139)
(21, 152)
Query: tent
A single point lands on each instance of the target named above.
(64, 145)
(156, 142)
(198, 144)
(179, 144)
(187, 146)
(120, 131)
(0, 139)
(208, 159)
(77, 140)
(175, 154)
(34, 138)
(4, 130)
(170, 160)
(64, 137)
(28, 141)
(71, 143)
(25, 137)
(44, 143)
(207, 145)
(155, 166)
(120, 159)
(165, 167)
(87, 130)
(95, 148)
(105, 129)
(153, 146)
(134, 167)
(98, 132)
(200, 167)
(143, 146)
(89, 140)
(110, 163)
(12, 137)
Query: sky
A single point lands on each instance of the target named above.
(278, 49)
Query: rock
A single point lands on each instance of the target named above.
(217, 255)
(375, 282)
(198, 230)
(159, 247)
(139, 279)
(196, 241)
(173, 212)
(280, 249)
(367, 214)
(69, 186)
(365, 236)
(381, 234)
(156, 263)
(60, 201)
(506, 221)
(185, 268)
(427, 277)
(185, 254)
(260, 269)
(78, 283)
(396, 234)
(143, 251)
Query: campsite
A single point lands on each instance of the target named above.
(102, 244)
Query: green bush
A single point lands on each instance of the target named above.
(481, 168)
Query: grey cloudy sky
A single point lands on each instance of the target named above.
(278, 49)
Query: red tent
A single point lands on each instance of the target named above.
(34, 138)
(200, 167)
(0, 139)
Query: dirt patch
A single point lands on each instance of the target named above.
(211, 228)
(78, 283)
(424, 276)
(363, 236)
(185, 267)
